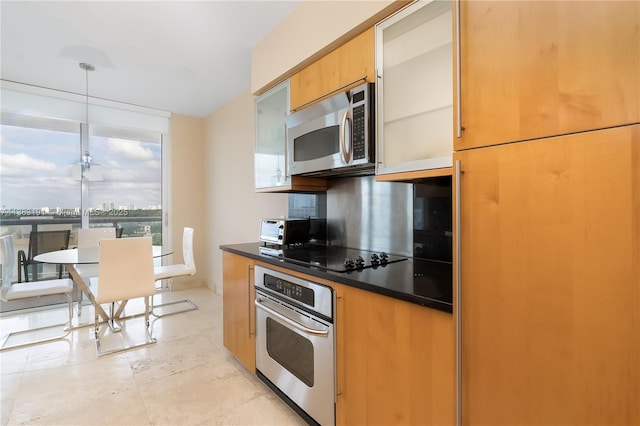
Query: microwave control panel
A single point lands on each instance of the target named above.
(359, 117)
(358, 132)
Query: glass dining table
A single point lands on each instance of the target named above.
(84, 256)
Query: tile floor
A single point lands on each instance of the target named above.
(187, 378)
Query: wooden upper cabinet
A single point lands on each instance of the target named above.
(270, 154)
(342, 68)
(533, 69)
(414, 92)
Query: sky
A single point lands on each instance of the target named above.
(36, 169)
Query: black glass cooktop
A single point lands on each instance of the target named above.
(329, 258)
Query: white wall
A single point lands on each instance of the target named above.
(188, 192)
(233, 209)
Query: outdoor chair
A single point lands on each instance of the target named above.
(176, 270)
(11, 291)
(126, 272)
(41, 242)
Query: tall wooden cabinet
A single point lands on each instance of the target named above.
(533, 69)
(394, 361)
(550, 280)
(239, 317)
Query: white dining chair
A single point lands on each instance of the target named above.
(125, 273)
(90, 237)
(11, 291)
(176, 270)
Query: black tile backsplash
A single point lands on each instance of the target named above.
(432, 220)
(314, 207)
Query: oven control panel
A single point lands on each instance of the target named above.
(292, 290)
(308, 295)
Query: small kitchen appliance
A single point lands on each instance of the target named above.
(334, 136)
(283, 232)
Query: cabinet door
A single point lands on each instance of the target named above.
(414, 92)
(345, 67)
(550, 287)
(271, 157)
(394, 361)
(239, 321)
(533, 69)
(271, 109)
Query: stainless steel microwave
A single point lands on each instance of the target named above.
(334, 136)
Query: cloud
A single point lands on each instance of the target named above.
(23, 165)
(131, 150)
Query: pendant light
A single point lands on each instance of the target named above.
(86, 169)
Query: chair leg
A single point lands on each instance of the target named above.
(147, 311)
(79, 301)
(148, 341)
(22, 265)
(96, 331)
(67, 329)
(191, 307)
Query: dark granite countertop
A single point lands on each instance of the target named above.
(424, 282)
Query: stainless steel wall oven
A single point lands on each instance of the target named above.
(295, 342)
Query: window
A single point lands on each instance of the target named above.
(41, 147)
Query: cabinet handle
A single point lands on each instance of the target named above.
(458, 75)
(249, 303)
(286, 154)
(324, 95)
(458, 300)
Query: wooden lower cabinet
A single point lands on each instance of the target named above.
(239, 319)
(395, 361)
(550, 283)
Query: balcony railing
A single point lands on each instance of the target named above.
(132, 226)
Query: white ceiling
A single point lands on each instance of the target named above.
(187, 57)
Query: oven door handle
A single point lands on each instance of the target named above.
(321, 333)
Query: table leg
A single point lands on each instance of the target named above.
(82, 285)
(123, 304)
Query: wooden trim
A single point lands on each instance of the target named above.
(299, 183)
(416, 175)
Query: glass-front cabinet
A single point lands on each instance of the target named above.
(271, 138)
(414, 110)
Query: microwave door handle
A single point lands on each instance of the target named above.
(346, 151)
